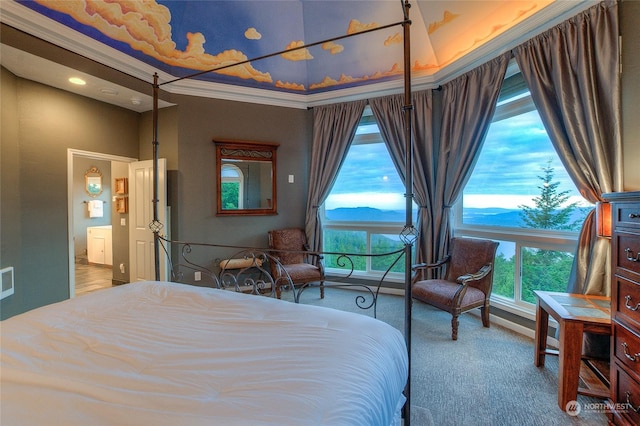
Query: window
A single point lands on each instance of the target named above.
(232, 186)
(365, 210)
(520, 194)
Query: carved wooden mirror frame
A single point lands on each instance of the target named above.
(246, 178)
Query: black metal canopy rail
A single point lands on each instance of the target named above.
(408, 234)
(262, 273)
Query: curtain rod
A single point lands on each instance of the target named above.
(285, 51)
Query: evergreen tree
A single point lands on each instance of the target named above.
(549, 212)
(547, 269)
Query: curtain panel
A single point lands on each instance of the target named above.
(468, 105)
(334, 127)
(389, 114)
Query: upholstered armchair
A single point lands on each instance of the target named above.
(291, 249)
(466, 283)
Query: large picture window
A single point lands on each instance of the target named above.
(520, 194)
(365, 210)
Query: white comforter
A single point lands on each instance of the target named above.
(155, 353)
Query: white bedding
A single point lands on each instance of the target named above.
(155, 353)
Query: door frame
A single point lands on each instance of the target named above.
(71, 155)
(135, 214)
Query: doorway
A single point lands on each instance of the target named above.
(95, 276)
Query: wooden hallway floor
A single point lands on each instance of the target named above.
(91, 278)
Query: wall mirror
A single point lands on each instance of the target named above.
(93, 181)
(246, 178)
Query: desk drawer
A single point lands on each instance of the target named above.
(627, 251)
(626, 347)
(626, 302)
(627, 395)
(626, 215)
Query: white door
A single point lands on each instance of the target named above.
(141, 245)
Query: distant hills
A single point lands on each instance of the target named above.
(473, 216)
(492, 217)
(365, 214)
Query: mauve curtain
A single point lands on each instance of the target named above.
(389, 114)
(334, 127)
(572, 72)
(468, 105)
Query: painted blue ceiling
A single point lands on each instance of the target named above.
(241, 30)
(184, 37)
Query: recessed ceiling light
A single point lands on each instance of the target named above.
(136, 101)
(78, 81)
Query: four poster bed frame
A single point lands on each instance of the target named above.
(161, 352)
(408, 235)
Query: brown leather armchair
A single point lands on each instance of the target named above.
(467, 281)
(292, 251)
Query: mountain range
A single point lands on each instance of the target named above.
(472, 216)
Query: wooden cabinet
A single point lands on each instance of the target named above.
(625, 308)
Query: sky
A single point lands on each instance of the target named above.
(506, 174)
(511, 162)
(367, 169)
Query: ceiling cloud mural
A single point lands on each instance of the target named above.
(185, 37)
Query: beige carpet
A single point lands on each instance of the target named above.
(486, 377)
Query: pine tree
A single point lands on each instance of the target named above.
(547, 269)
(549, 212)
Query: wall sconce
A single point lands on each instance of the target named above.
(603, 219)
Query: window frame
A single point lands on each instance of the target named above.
(369, 227)
(543, 239)
(239, 179)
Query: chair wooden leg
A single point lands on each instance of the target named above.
(485, 316)
(321, 289)
(454, 327)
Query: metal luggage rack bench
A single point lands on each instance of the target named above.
(248, 270)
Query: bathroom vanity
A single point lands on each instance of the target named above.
(99, 247)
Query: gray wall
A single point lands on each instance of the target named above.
(39, 125)
(120, 232)
(10, 203)
(193, 208)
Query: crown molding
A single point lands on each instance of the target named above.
(22, 18)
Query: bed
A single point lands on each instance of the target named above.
(167, 353)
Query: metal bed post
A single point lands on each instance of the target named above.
(409, 232)
(155, 225)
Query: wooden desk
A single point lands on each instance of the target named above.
(576, 314)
